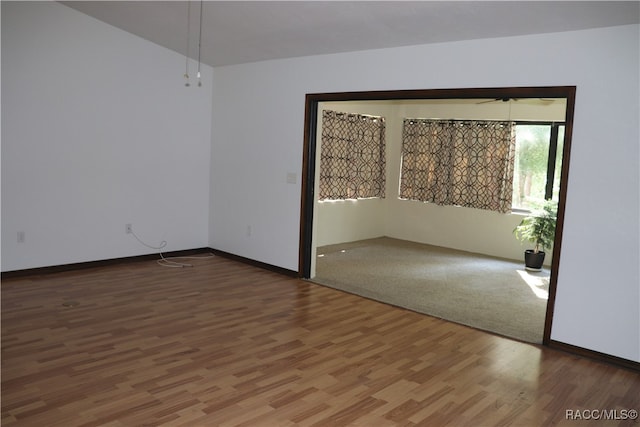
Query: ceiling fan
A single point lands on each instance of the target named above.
(542, 100)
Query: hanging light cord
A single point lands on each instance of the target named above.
(186, 54)
(200, 43)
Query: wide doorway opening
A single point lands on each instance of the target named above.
(353, 226)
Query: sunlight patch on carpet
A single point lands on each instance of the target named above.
(539, 285)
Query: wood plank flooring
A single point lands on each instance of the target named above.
(227, 344)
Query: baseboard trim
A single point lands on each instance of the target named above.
(98, 263)
(147, 257)
(592, 354)
(254, 263)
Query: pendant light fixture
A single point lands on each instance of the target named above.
(186, 55)
(200, 43)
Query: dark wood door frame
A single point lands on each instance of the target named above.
(505, 93)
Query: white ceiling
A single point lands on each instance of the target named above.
(236, 32)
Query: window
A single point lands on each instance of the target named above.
(538, 163)
(500, 166)
(352, 156)
(458, 162)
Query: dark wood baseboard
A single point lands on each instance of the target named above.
(99, 263)
(147, 257)
(263, 265)
(592, 354)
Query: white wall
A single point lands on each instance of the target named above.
(258, 117)
(340, 221)
(98, 131)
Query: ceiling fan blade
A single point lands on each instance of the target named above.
(488, 101)
(496, 100)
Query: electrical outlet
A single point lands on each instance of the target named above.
(128, 229)
(20, 236)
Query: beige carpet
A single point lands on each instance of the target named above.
(487, 293)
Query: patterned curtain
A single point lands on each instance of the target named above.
(352, 156)
(458, 162)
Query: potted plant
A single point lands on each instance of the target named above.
(538, 228)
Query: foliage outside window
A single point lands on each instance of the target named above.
(538, 164)
(352, 156)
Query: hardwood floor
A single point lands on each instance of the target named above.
(227, 344)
